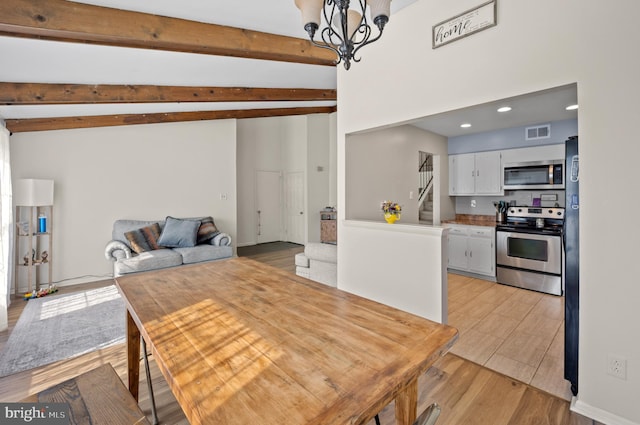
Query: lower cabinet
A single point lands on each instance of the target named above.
(472, 249)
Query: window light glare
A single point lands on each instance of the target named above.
(572, 107)
(504, 109)
(465, 125)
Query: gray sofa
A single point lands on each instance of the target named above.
(318, 262)
(122, 251)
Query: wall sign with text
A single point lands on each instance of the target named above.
(465, 24)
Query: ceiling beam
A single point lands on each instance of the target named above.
(57, 94)
(60, 123)
(63, 20)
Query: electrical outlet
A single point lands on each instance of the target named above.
(617, 366)
(473, 203)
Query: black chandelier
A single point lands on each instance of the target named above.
(345, 30)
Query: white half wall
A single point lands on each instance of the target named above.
(535, 45)
(400, 265)
(136, 172)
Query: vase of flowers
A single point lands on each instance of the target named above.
(391, 211)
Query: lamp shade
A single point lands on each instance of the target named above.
(354, 19)
(310, 10)
(379, 8)
(33, 192)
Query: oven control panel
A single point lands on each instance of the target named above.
(536, 212)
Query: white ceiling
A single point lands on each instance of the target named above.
(40, 61)
(532, 108)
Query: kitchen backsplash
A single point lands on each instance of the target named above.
(484, 204)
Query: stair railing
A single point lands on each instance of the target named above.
(425, 171)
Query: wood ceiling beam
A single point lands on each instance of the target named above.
(44, 124)
(55, 94)
(63, 20)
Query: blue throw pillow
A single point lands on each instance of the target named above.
(179, 233)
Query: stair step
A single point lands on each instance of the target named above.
(426, 215)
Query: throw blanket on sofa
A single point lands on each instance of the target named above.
(221, 239)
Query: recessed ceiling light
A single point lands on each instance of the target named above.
(571, 107)
(465, 125)
(504, 109)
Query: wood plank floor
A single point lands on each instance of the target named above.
(513, 331)
(468, 393)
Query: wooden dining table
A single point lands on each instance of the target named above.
(241, 342)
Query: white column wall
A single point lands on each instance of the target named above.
(318, 181)
(535, 45)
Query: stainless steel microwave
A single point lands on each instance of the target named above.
(534, 175)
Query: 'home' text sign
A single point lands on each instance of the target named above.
(467, 23)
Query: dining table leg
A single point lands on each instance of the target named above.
(407, 404)
(133, 355)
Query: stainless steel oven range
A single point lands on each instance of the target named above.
(529, 251)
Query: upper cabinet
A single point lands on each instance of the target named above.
(475, 174)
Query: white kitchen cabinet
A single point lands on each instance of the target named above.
(488, 170)
(462, 171)
(458, 255)
(472, 249)
(475, 174)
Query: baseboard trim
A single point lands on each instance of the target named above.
(598, 414)
(474, 275)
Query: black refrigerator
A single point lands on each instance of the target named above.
(572, 263)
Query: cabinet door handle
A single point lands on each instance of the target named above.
(477, 173)
(465, 253)
(471, 254)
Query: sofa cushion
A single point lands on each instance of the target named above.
(179, 233)
(321, 252)
(200, 253)
(149, 260)
(301, 260)
(120, 227)
(207, 230)
(144, 239)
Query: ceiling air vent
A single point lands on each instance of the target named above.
(538, 132)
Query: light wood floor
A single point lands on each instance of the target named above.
(514, 331)
(468, 393)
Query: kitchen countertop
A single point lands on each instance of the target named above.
(473, 220)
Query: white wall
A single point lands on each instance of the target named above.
(318, 181)
(138, 172)
(536, 45)
(383, 165)
(333, 160)
(285, 144)
(512, 138)
(259, 149)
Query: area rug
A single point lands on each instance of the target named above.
(63, 326)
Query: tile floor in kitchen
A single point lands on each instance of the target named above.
(516, 332)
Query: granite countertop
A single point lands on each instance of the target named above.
(473, 220)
